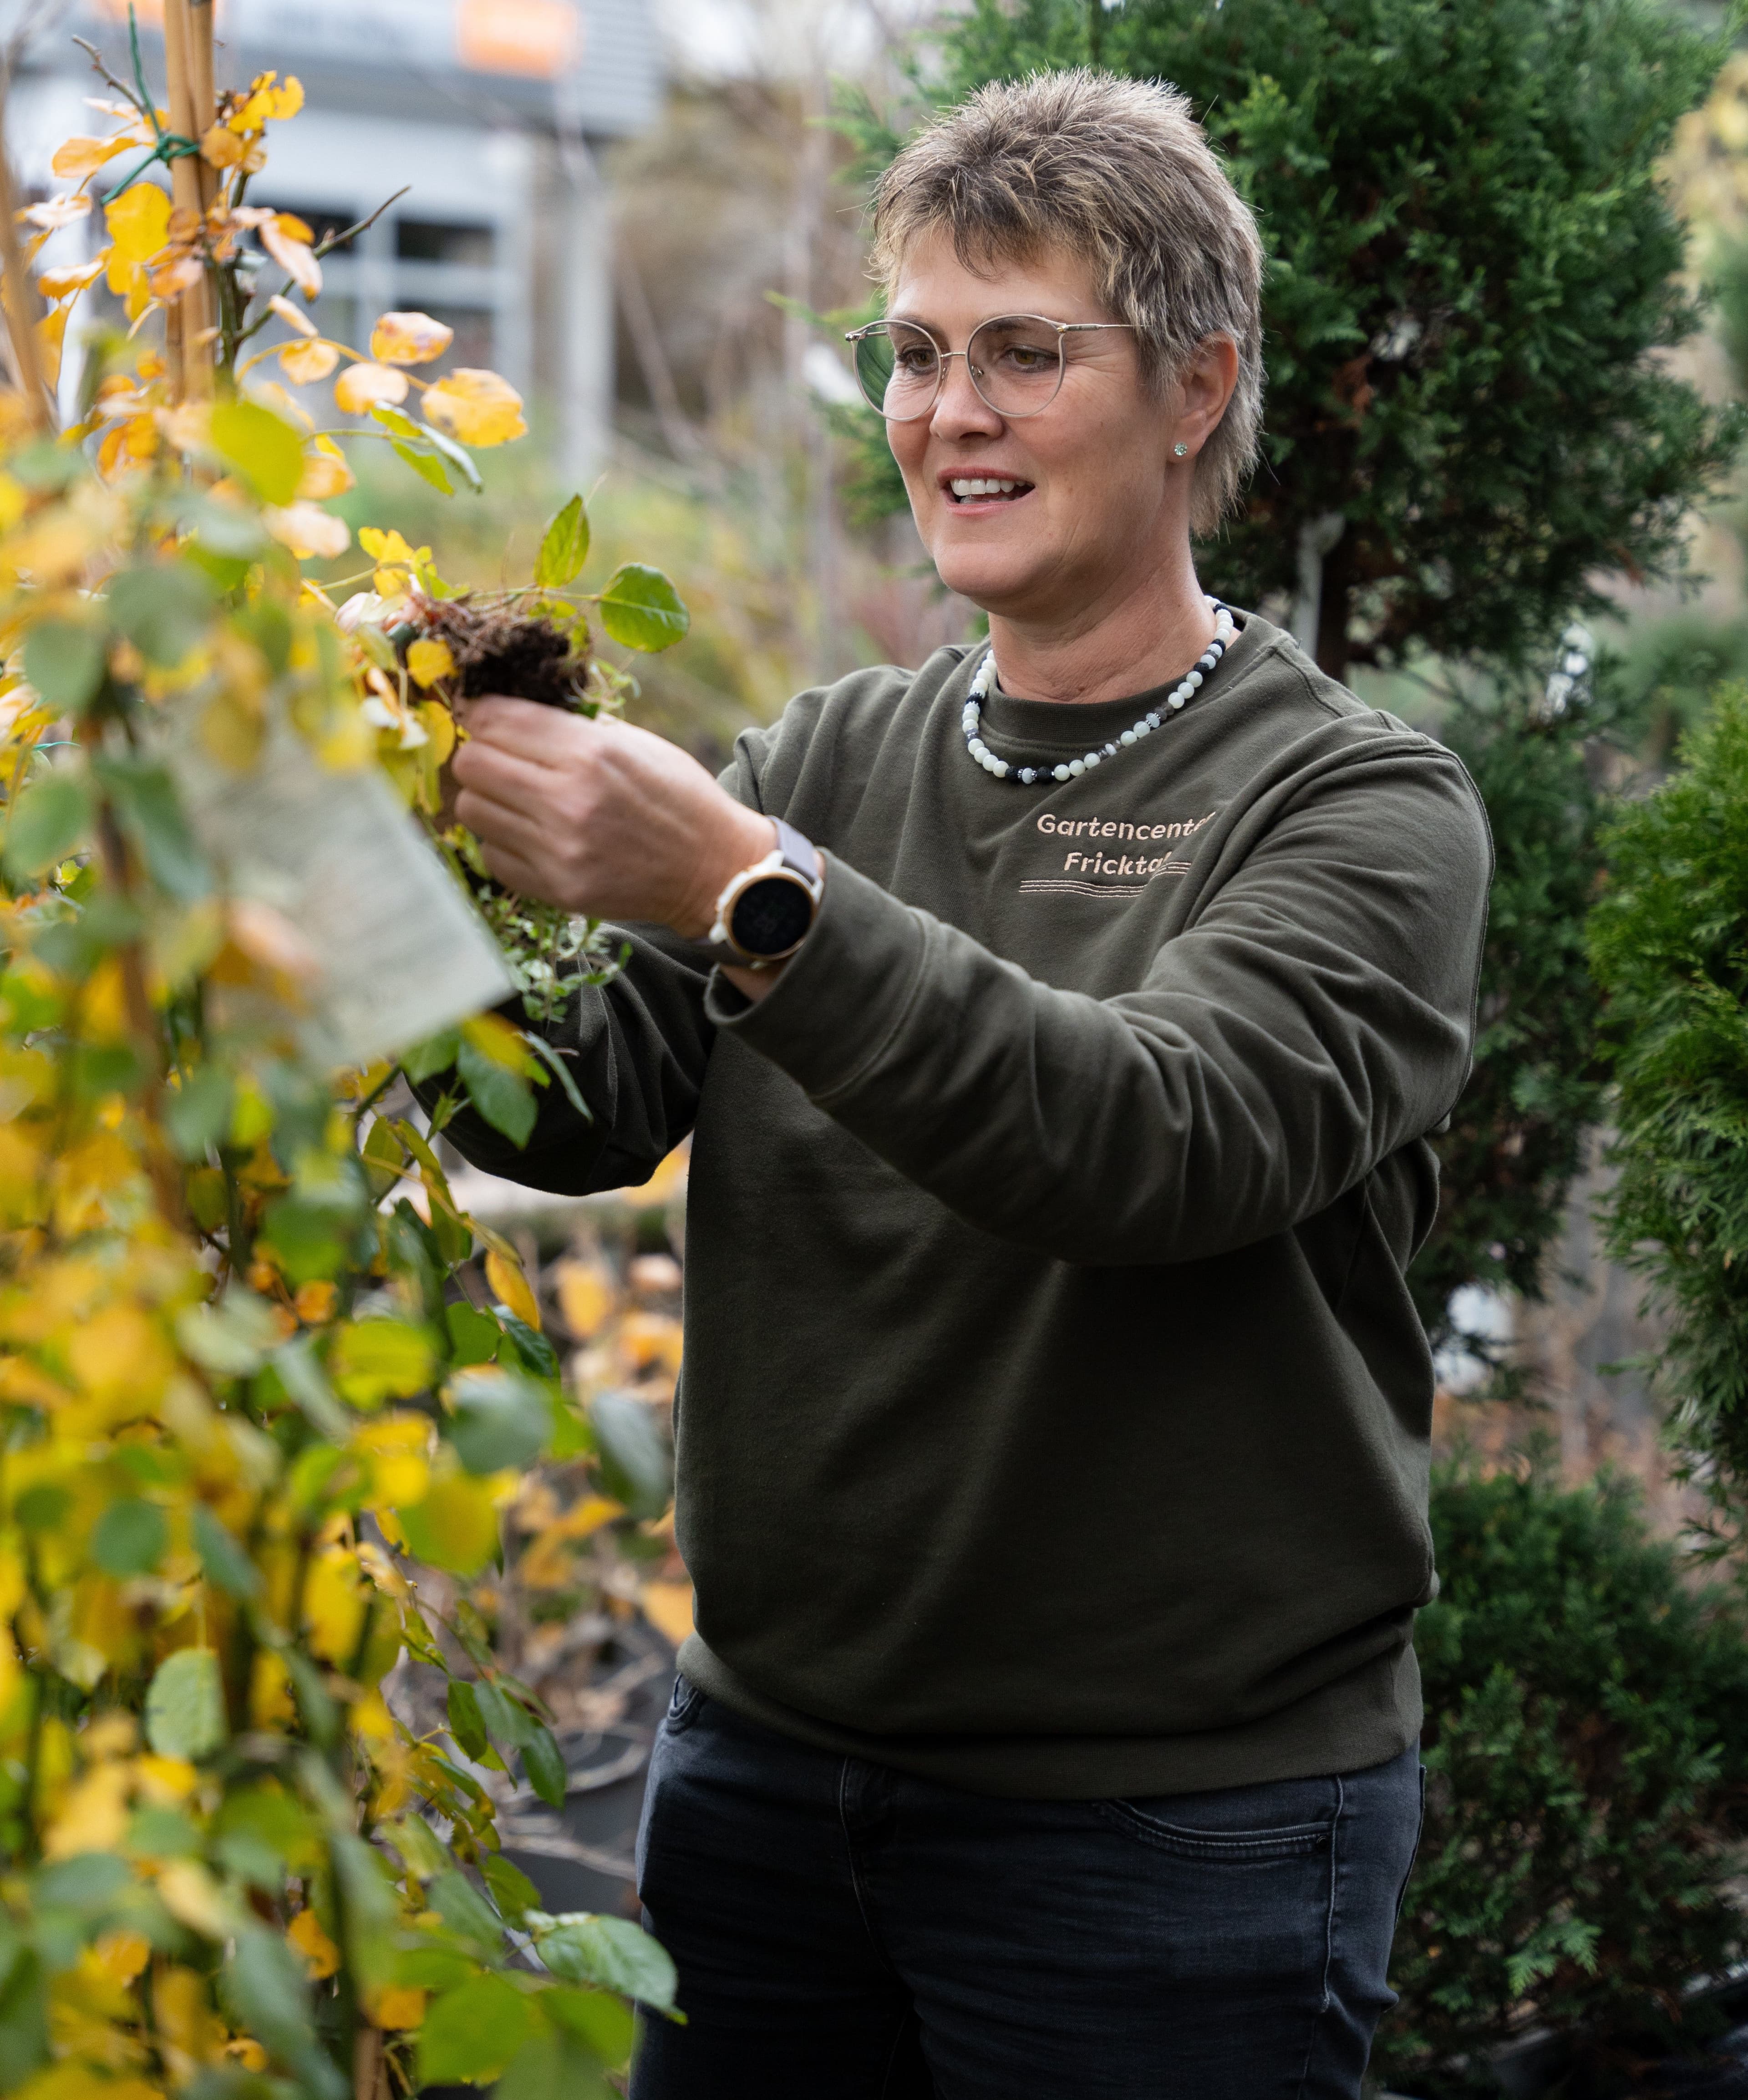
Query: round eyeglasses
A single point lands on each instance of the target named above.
(1015, 362)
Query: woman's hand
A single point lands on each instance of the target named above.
(600, 817)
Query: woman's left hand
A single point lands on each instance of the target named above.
(600, 817)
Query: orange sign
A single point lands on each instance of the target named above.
(538, 38)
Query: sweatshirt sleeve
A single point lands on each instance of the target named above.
(636, 1049)
(1315, 1013)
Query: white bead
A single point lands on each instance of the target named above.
(1153, 721)
(1176, 700)
(1127, 737)
(1077, 766)
(1090, 761)
(1059, 773)
(1193, 681)
(1001, 769)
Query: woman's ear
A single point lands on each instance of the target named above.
(1203, 389)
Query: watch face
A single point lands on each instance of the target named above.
(771, 915)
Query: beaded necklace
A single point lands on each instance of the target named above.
(1186, 688)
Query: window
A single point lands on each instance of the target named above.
(432, 240)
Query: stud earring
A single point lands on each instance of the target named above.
(1180, 449)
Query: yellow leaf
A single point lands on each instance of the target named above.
(165, 1781)
(398, 1448)
(287, 240)
(75, 158)
(428, 661)
(398, 2006)
(475, 408)
(586, 1295)
(385, 547)
(310, 531)
(194, 1898)
(506, 1279)
(118, 1351)
(54, 213)
(94, 1817)
(304, 363)
(333, 1605)
(138, 222)
(313, 1302)
(371, 1360)
(319, 1951)
(124, 1954)
(439, 731)
(409, 339)
(246, 2050)
(668, 1606)
(271, 1705)
(455, 1526)
(285, 100)
(294, 317)
(494, 1037)
(220, 147)
(652, 1338)
(361, 386)
(57, 284)
(325, 471)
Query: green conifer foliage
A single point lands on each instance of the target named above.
(1669, 939)
(1470, 260)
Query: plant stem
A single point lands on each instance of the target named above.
(23, 306)
(180, 68)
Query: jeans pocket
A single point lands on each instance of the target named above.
(683, 1705)
(1289, 1841)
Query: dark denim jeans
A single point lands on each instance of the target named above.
(844, 1932)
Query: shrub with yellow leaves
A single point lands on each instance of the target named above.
(259, 1372)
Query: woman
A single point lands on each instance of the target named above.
(1061, 1026)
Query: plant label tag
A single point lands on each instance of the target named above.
(391, 950)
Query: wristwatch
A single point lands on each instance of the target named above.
(763, 915)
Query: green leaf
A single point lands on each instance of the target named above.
(52, 817)
(371, 1907)
(185, 1706)
(606, 2024)
(198, 1114)
(435, 1054)
(466, 1724)
(535, 1350)
(464, 1910)
(511, 1889)
(504, 1098)
(580, 1946)
(499, 1420)
(474, 1336)
(470, 2034)
(553, 2066)
(635, 1462)
(151, 814)
(263, 448)
(227, 1567)
(565, 548)
(544, 1762)
(423, 465)
(264, 1988)
(65, 661)
(23, 2019)
(507, 1721)
(164, 608)
(642, 609)
(129, 1538)
(433, 1968)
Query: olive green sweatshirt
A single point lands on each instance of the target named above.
(1054, 1417)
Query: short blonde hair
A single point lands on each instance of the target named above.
(1118, 173)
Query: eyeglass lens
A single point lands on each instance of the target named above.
(1016, 366)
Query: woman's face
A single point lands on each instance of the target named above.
(1095, 506)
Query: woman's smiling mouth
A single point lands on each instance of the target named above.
(985, 488)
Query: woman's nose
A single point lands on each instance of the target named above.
(959, 409)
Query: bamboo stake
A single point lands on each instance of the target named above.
(23, 305)
(185, 187)
(205, 102)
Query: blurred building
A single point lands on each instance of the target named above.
(490, 112)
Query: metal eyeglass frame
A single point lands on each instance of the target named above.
(946, 356)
